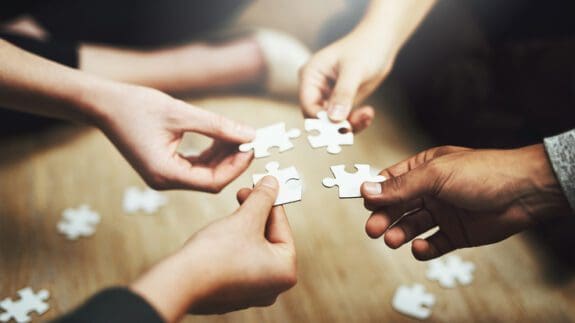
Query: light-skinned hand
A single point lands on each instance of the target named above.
(242, 260)
(341, 76)
(147, 127)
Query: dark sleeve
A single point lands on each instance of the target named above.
(61, 52)
(114, 305)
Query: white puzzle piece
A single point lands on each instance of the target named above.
(29, 302)
(349, 184)
(329, 133)
(451, 270)
(271, 136)
(146, 200)
(289, 190)
(79, 222)
(413, 301)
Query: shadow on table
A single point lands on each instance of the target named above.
(554, 242)
(22, 135)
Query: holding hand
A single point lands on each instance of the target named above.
(147, 126)
(475, 197)
(342, 75)
(243, 260)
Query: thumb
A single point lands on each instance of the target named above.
(343, 95)
(258, 205)
(402, 189)
(216, 126)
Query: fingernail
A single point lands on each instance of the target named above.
(268, 181)
(337, 112)
(372, 188)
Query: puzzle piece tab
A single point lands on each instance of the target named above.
(289, 189)
(413, 301)
(146, 200)
(80, 222)
(329, 133)
(271, 136)
(29, 302)
(349, 184)
(450, 271)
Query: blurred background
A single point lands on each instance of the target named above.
(343, 275)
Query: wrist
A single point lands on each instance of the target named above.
(174, 285)
(543, 196)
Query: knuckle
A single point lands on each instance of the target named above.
(216, 124)
(156, 181)
(266, 192)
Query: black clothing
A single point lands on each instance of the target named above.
(114, 305)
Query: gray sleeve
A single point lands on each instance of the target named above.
(561, 151)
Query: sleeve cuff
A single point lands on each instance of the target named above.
(114, 305)
(61, 52)
(561, 152)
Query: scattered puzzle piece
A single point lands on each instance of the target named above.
(80, 222)
(289, 190)
(329, 133)
(146, 200)
(29, 302)
(413, 301)
(349, 184)
(450, 271)
(271, 136)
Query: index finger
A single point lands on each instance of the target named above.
(312, 93)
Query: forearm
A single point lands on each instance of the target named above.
(29, 83)
(389, 23)
(148, 68)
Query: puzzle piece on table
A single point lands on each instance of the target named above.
(450, 271)
(29, 302)
(350, 183)
(79, 222)
(146, 200)
(413, 301)
(289, 189)
(329, 133)
(271, 136)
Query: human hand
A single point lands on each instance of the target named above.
(242, 260)
(475, 197)
(342, 75)
(147, 126)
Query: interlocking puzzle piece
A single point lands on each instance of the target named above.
(289, 190)
(146, 200)
(413, 301)
(350, 183)
(450, 271)
(271, 136)
(80, 222)
(329, 133)
(29, 302)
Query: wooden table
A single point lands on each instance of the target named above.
(343, 275)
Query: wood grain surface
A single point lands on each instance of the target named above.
(343, 275)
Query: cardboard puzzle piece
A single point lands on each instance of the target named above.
(289, 189)
(29, 302)
(450, 271)
(146, 200)
(413, 301)
(349, 184)
(79, 222)
(269, 137)
(329, 133)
